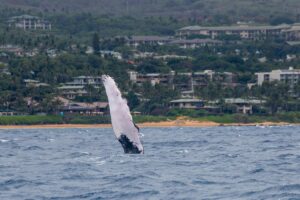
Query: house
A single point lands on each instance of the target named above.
(94, 81)
(71, 92)
(94, 108)
(290, 76)
(244, 106)
(187, 103)
(34, 83)
(113, 54)
(138, 55)
(10, 113)
(72, 107)
(16, 50)
(28, 22)
(248, 32)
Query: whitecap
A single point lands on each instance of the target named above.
(101, 162)
(183, 151)
(142, 135)
(3, 140)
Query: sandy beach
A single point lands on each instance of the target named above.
(175, 123)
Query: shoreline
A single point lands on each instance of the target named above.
(164, 124)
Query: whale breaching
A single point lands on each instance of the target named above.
(125, 130)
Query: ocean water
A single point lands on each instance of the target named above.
(179, 163)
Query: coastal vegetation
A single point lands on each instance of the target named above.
(291, 117)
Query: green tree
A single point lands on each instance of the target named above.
(95, 43)
(132, 100)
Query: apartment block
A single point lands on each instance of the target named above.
(28, 22)
(248, 32)
(290, 76)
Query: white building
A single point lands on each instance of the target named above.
(94, 81)
(290, 76)
(113, 54)
(248, 32)
(28, 22)
(71, 92)
(77, 87)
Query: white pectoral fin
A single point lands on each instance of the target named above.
(125, 129)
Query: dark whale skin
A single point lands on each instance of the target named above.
(128, 146)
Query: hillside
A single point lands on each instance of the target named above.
(199, 10)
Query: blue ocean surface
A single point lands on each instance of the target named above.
(179, 163)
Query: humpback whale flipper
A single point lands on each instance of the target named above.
(125, 130)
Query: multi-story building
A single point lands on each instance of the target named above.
(185, 81)
(94, 81)
(77, 87)
(249, 32)
(153, 78)
(292, 34)
(290, 76)
(71, 92)
(28, 22)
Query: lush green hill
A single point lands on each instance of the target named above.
(199, 10)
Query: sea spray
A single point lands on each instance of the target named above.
(125, 130)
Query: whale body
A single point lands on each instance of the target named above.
(124, 128)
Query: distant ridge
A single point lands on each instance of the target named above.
(197, 9)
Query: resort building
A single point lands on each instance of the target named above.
(71, 92)
(94, 81)
(28, 22)
(153, 78)
(290, 76)
(185, 81)
(77, 87)
(248, 32)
